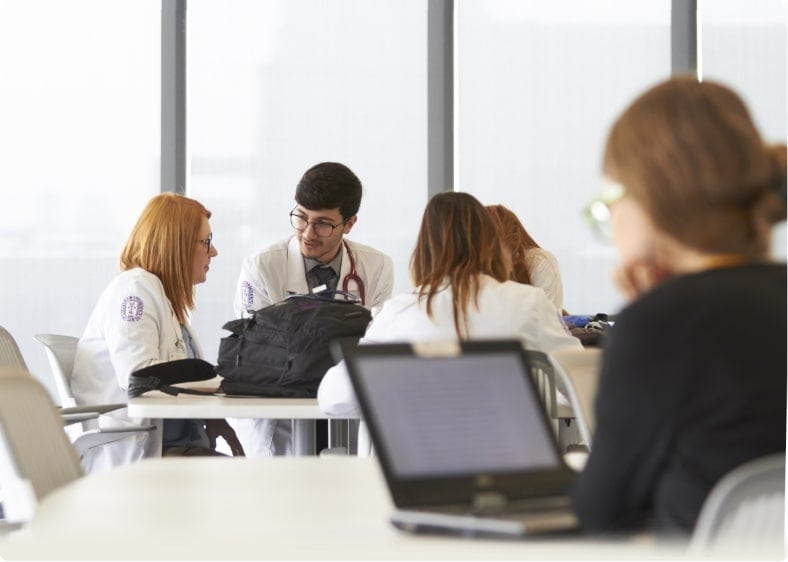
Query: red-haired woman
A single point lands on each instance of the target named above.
(142, 318)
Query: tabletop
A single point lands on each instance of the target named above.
(207, 508)
(157, 404)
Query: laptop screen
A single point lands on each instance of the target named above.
(475, 412)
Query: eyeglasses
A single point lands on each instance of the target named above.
(597, 213)
(207, 242)
(321, 228)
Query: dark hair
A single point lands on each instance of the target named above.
(691, 155)
(457, 242)
(330, 185)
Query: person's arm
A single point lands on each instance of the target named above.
(251, 292)
(335, 395)
(545, 274)
(132, 329)
(383, 284)
(545, 322)
(635, 412)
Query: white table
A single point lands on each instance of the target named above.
(208, 508)
(303, 411)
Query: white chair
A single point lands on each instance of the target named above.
(36, 456)
(745, 512)
(556, 395)
(61, 351)
(577, 376)
(10, 356)
(542, 373)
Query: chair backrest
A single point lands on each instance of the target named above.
(36, 454)
(542, 372)
(10, 356)
(745, 511)
(577, 374)
(61, 351)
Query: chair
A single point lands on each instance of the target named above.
(61, 351)
(577, 375)
(542, 372)
(554, 392)
(36, 456)
(745, 511)
(10, 356)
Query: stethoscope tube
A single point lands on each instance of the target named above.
(353, 276)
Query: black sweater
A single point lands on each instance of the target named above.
(693, 383)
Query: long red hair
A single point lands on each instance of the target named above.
(163, 242)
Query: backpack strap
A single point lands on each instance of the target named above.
(161, 376)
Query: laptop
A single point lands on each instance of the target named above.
(462, 438)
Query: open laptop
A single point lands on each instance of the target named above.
(462, 437)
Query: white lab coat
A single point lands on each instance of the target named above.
(506, 310)
(278, 271)
(272, 275)
(132, 326)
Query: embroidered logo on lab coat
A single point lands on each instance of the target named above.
(131, 309)
(247, 295)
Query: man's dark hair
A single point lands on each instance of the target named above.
(330, 185)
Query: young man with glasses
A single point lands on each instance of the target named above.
(316, 257)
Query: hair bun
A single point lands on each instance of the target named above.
(779, 155)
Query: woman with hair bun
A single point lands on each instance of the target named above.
(693, 379)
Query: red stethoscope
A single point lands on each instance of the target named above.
(353, 276)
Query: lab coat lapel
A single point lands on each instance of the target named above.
(295, 284)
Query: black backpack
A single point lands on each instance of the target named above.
(283, 349)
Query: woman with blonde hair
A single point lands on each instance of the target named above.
(462, 291)
(531, 264)
(693, 378)
(142, 318)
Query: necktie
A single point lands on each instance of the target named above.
(324, 275)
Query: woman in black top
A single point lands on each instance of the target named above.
(693, 380)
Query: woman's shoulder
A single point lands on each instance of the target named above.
(540, 255)
(136, 280)
(732, 284)
(707, 298)
(400, 301)
(516, 293)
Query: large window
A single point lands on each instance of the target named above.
(539, 84)
(79, 108)
(743, 44)
(275, 87)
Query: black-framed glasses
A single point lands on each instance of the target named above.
(208, 242)
(597, 213)
(321, 228)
